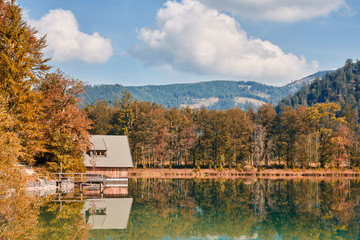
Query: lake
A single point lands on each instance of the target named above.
(207, 209)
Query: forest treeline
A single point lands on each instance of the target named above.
(40, 122)
(324, 135)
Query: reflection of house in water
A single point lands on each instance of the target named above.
(108, 213)
(109, 192)
(109, 155)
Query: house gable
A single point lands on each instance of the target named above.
(109, 151)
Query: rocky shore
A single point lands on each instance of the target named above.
(40, 187)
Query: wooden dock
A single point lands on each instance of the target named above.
(80, 179)
(98, 181)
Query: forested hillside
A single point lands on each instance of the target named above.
(103, 92)
(341, 86)
(215, 95)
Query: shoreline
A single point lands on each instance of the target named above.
(234, 174)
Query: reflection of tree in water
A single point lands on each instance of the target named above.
(174, 208)
(63, 221)
(18, 215)
(293, 209)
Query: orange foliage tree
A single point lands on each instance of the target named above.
(65, 125)
(21, 64)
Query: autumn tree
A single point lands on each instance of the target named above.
(239, 126)
(65, 125)
(292, 137)
(100, 112)
(138, 137)
(324, 122)
(343, 140)
(257, 144)
(265, 116)
(10, 150)
(161, 147)
(21, 65)
(188, 136)
(148, 129)
(123, 115)
(205, 149)
(182, 134)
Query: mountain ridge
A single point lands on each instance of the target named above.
(216, 94)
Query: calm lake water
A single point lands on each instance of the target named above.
(210, 209)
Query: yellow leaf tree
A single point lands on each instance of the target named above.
(324, 122)
(21, 65)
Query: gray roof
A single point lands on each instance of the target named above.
(117, 150)
(98, 143)
(116, 215)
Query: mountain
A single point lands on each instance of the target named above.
(342, 86)
(297, 85)
(212, 95)
(103, 91)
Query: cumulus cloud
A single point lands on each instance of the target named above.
(192, 37)
(278, 10)
(67, 43)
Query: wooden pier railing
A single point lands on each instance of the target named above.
(91, 180)
(80, 179)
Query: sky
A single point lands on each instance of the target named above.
(142, 42)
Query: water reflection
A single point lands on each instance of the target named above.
(62, 220)
(194, 209)
(232, 209)
(18, 215)
(111, 213)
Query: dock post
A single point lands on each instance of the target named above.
(101, 187)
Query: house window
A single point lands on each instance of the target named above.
(100, 153)
(97, 153)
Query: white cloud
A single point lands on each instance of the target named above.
(67, 43)
(192, 37)
(278, 10)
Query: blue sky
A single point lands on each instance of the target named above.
(142, 42)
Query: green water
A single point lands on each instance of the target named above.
(211, 209)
